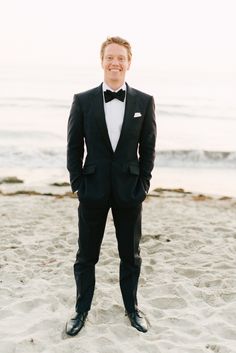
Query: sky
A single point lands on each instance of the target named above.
(164, 34)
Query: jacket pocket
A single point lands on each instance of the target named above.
(89, 169)
(134, 169)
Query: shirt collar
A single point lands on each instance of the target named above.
(105, 87)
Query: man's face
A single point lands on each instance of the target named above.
(115, 63)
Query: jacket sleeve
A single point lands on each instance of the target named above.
(75, 144)
(147, 144)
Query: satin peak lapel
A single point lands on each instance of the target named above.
(128, 117)
(99, 114)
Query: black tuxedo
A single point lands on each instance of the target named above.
(105, 178)
(124, 174)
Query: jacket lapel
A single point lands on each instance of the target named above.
(99, 114)
(129, 113)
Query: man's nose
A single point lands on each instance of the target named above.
(115, 61)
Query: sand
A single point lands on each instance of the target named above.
(187, 286)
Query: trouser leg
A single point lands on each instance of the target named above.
(128, 232)
(92, 223)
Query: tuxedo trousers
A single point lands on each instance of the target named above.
(92, 222)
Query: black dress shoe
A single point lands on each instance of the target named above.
(75, 324)
(138, 321)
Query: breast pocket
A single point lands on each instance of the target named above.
(89, 169)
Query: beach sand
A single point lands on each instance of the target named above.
(187, 285)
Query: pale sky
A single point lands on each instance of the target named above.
(198, 34)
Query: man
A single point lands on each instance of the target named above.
(116, 124)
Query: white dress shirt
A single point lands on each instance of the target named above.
(114, 114)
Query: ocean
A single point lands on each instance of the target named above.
(196, 125)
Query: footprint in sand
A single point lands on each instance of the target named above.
(217, 349)
(188, 272)
(169, 303)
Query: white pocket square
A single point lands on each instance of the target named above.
(137, 115)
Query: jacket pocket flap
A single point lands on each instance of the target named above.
(134, 169)
(89, 169)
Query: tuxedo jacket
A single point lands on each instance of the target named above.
(100, 174)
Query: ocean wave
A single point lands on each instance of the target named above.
(32, 157)
(196, 158)
(55, 156)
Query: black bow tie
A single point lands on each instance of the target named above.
(109, 95)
